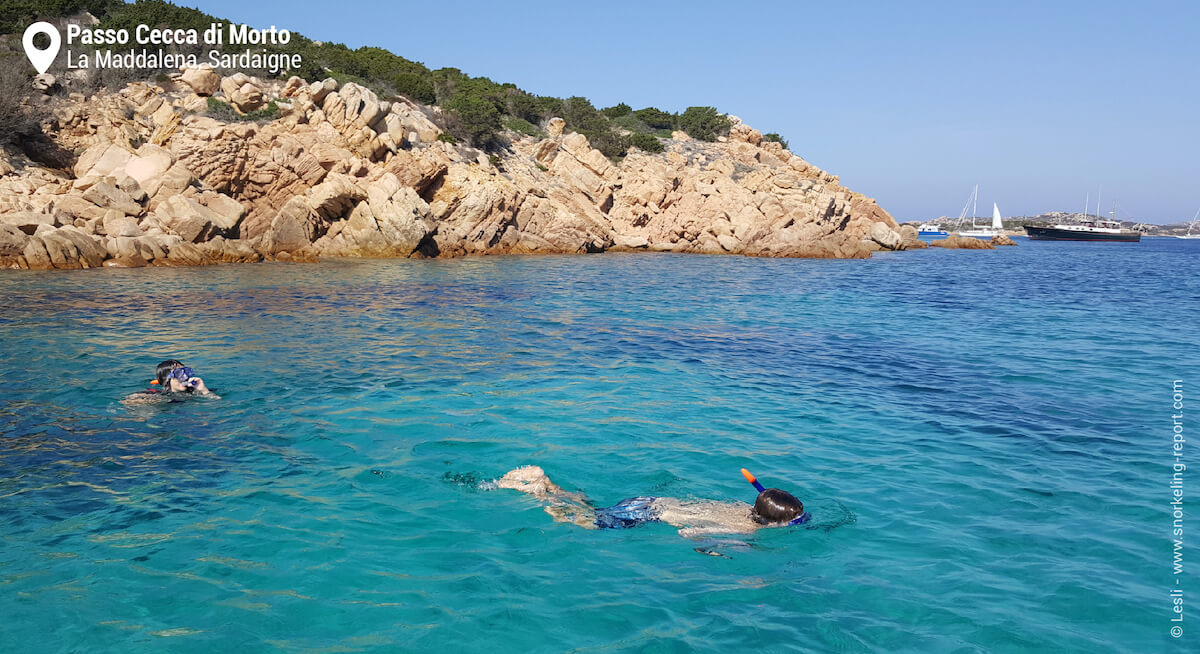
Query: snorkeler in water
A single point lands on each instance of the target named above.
(175, 381)
(693, 518)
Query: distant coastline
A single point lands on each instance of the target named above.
(1014, 225)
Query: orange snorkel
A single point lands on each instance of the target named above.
(750, 478)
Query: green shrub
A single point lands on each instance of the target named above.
(773, 136)
(584, 118)
(224, 111)
(580, 115)
(473, 119)
(704, 123)
(521, 126)
(447, 137)
(268, 112)
(616, 111)
(415, 86)
(612, 143)
(631, 123)
(656, 118)
(646, 142)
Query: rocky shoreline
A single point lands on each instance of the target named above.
(338, 172)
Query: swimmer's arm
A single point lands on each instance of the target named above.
(710, 530)
(141, 397)
(579, 515)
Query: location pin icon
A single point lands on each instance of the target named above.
(41, 59)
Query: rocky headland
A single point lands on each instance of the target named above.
(152, 176)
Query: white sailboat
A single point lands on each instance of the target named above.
(1192, 231)
(981, 232)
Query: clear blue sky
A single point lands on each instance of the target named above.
(909, 102)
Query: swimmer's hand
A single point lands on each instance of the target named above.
(197, 385)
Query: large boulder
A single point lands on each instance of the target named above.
(393, 221)
(335, 196)
(12, 242)
(1001, 239)
(242, 92)
(414, 121)
(37, 257)
(293, 87)
(116, 223)
(149, 167)
(204, 81)
(247, 98)
(910, 238)
(66, 248)
(27, 221)
(885, 236)
(73, 207)
(227, 212)
(955, 241)
(106, 195)
(292, 228)
(103, 159)
(192, 221)
(318, 90)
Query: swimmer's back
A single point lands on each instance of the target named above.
(706, 515)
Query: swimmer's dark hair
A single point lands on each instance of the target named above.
(163, 372)
(774, 505)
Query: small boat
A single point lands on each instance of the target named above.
(931, 229)
(1091, 230)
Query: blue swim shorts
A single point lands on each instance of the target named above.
(627, 513)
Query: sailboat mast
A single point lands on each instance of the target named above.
(1098, 216)
(1087, 200)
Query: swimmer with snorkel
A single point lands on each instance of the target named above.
(174, 381)
(693, 518)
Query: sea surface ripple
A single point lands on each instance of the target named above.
(983, 438)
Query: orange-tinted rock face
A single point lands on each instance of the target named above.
(341, 172)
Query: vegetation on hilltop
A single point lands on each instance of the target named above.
(478, 109)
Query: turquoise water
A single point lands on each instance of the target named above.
(996, 426)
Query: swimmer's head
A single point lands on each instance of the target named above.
(776, 506)
(163, 372)
(174, 370)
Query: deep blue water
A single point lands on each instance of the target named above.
(996, 426)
